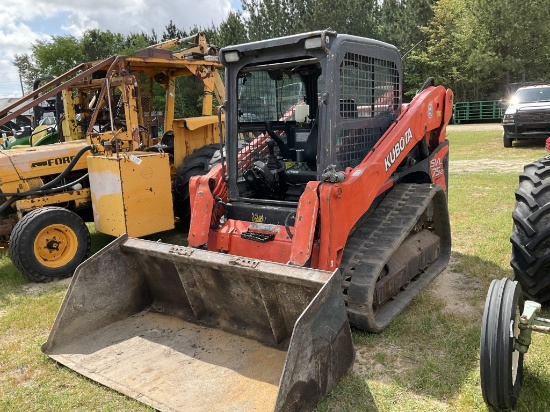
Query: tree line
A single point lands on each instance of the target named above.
(475, 47)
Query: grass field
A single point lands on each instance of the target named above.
(427, 360)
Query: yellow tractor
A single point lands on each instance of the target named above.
(115, 124)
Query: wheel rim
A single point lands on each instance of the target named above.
(514, 329)
(55, 245)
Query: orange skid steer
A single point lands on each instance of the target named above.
(329, 204)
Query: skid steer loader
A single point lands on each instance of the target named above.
(46, 193)
(332, 196)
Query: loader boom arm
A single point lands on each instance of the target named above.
(342, 204)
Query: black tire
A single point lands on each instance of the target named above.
(531, 231)
(197, 164)
(49, 242)
(507, 141)
(501, 367)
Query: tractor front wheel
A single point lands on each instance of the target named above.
(49, 242)
(501, 366)
(197, 164)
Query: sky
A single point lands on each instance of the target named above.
(23, 22)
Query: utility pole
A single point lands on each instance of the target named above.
(21, 82)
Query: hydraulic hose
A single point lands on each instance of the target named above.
(41, 190)
(220, 127)
(54, 190)
(429, 82)
(64, 173)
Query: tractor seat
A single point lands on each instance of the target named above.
(165, 145)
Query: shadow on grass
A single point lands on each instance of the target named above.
(352, 394)
(528, 144)
(99, 241)
(174, 236)
(12, 282)
(431, 351)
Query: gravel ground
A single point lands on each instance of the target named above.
(474, 127)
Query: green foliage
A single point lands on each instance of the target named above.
(275, 18)
(97, 44)
(134, 42)
(477, 47)
(62, 53)
(230, 31)
(172, 32)
(444, 51)
(26, 69)
(517, 34)
(57, 56)
(400, 22)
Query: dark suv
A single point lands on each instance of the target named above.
(528, 115)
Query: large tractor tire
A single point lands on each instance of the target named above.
(49, 242)
(501, 366)
(197, 164)
(531, 231)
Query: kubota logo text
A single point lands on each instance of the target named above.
(393, 155)
(57, 161)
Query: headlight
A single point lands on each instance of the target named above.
(508, 119)
(231, 56)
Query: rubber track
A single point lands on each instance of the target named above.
(531, 231)
(371, 246)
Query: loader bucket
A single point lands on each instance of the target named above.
(186, 329)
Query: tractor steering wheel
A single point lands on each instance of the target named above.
(277, 139)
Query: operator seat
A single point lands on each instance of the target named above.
(165, 145)
(310, 149)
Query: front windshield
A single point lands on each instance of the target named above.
(277, 119)
(271, 92)
(48, 121)
(532, 95)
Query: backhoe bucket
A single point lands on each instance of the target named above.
(183, 329)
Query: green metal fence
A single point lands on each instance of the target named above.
(477, 111)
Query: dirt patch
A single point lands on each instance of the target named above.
(474, 127)
(383, 363)
(385, 360)
(36, 288)
(457, 290)
(481, 165)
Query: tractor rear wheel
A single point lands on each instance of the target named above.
(531, 231)
(197, 164)
(49, 242)
(501, 366)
